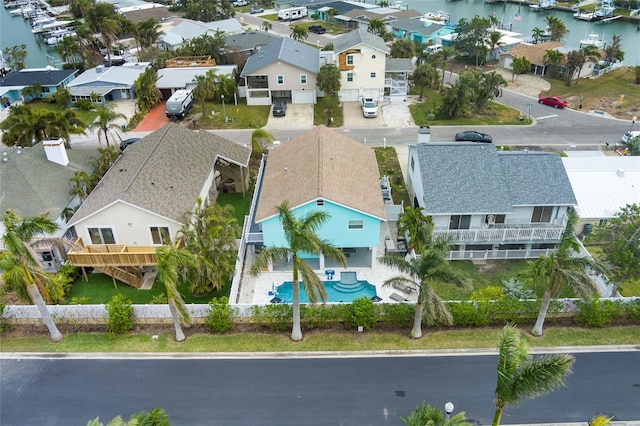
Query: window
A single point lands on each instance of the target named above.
(349, 59)
(101, 236)
(349, 76)
(356, 224)
(492, 219)
(460, 222)
(319, 202)
(303, 79)
(373, 75)
(160, 235)
(542, 214)
(280, 79)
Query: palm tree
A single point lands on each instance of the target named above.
(105, 122)
(301, 235)
(173, 262)
(24, 126)
(81, 184)
(419, 227)
(21, 268)
(225, 85)
(69, 49)
(519, 66)
(429, 267)
(553, 57)
(376, 27)
(425, 75)
(103, 19)
(613, 53)
(299, 33)
(556, 27)
(588, 53)
(205, 89)
(494, 43)
(562, 267)
(537, 34)
(266, 26)
(63, 123)
(521, 377)
(442, 59)
(328, 79)
(425, 414)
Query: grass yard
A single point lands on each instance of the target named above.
(87, 117)
(389, 165)
(319, 341)
(326, 108)
(241, 115)
(100, 289)
(241, 204)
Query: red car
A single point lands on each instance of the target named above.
(553, 101)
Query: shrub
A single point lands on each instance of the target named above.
(159, 299)
(4, 325)
(80, 300)
(83, 104)
(631, 311)
(320, 316)
(492, 292)
(361, 312)
(120, 311)
(219, 315)
(597, 313)
(71, 271)
(275, 317)
(397, 314)
(516, 290)
(467, 314)
(59, 287)
(424, 415)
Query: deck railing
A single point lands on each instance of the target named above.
(502, 235)
(96, 255)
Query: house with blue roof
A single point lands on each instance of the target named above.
(490, 203)
(321, 170)
(50, 79)
(106, 83)
(284, 69)
(420, 31)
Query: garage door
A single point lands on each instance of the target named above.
(303, 97)
(350, 95)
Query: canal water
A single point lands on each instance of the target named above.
(15, 30)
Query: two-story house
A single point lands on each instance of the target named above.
(284, 69)
(361, 58)
(322, 170)
(141, 200)
(490, 203)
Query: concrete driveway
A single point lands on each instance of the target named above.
(298, 116)
(353, 117)
(390, 114)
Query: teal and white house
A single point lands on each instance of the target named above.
(321, 170)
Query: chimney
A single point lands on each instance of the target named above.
(424, 134)
(55, 151)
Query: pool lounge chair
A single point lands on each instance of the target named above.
(397, 297)
(404, 288)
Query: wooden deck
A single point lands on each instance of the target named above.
(99, 255)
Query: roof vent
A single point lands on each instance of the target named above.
(620, 172)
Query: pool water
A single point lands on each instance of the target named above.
(336, 292)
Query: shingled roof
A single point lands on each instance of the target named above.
(359, 36)
(467, 178)
(533, 52)
(43, 77)
(321, 163)
(285, 50)
(163, 172)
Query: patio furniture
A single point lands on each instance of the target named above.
(397, 297)
(404, 288)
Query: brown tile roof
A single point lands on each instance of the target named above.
(163, 172)
(321, 163)
(533, 52)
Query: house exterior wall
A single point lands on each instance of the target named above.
(414, 180)
(366, 61)
(335, 230)
(292, 82)
(130, 225)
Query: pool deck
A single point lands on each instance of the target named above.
(255, 290)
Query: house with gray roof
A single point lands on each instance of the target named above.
(188, 29)
(388, 15)
(172, 79)
(396, 78)
(35, 181)
(420, 31)
(108, 83)
(490, 203)
(284, 69)
(49, 78)
(361, 59)
(139, 203)
(248, 42)
(322, 170)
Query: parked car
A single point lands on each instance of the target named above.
(553, 101)
(318, 29)
(630, 135)
(125, 143)
(279, 108)
(369, 108)
(256, 10)
(239, 3)
(473, 136)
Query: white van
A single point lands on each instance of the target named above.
(630, 135)
(433, 48)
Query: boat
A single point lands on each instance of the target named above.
(593, 40)
(438, 16)
(53, 25)
(57, 36)
(542, 5)
(605, 11)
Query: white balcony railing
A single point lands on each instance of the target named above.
(501, 235)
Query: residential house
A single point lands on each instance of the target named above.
(535, 53)
(337, 12)
(188, 29)
(248, 42)
(101, 84)
(49, 78)
(490, 203)
(322, 170)
(35, 181)
(141, 200)
(419, 31)
(172, 79)
(396, 78)
(361, 58)
(387, 15)
(284, 69)
(603, 186)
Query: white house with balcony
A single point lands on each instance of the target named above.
(491, 204)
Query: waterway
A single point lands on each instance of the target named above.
(15, 30)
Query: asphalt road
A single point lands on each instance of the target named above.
(309, 391)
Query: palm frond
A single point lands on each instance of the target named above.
(435, 310)
(267, 256)
(542, 375)
(311, 283)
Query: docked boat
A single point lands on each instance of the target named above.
(438, 16)
(593, 40)
(56, 36)
(542, 5)
(606, 10)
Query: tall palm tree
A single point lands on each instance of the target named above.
(105, 121)
(205, 89)
(537, 34)
(562, 268)
(429, 267)
(442, 59)
(172, 262)
(553, 57)
(299, 33)
(22, 271)
(24, 126)
(266, 26)
(494, 43)
(376, 26)
(556, 27)
(521, 377)
(613, 52)
(425, 76)
(301, 235)
(419, 227)
(63, 123)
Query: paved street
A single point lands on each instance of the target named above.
(308, 391)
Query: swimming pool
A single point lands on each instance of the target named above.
(334, 292)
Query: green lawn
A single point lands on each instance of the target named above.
(326, 108)
(241, 203)
(319, 341)
(86, 116)
(389, 165)
(241, 115)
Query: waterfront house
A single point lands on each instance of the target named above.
(49, 78)
(188, 29)
(141, 200)
(420, 31)
(490, 203)
(324, 170)
(101, 84)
